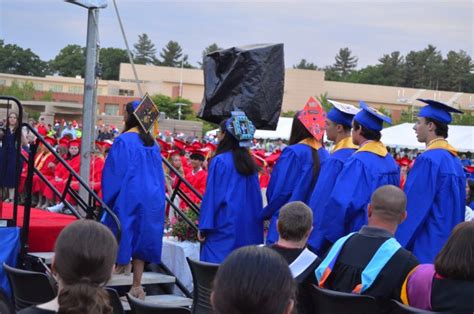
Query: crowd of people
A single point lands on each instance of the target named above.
(357, 217)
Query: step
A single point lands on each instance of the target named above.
(164, 300)
(147, 279)
(47, 257)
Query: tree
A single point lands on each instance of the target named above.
(145, 51)
(211, 48)
(110, 58)
(305, 65)
(288, 114)
(47, 96)
(168, 105)
(345, 63)
(391, 67)
(423, 69)
(323, 100)
(71, 61)
(172, 56)
(16, 60)
(457, 68)
(24, 91)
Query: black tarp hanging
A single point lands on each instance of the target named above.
(249, 78)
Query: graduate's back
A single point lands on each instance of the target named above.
(436, 192)
(229, 209)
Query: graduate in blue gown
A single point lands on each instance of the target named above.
(297, 170)
(338, 130)
(133, 187)
(435, 187)
(370, 167)
(230, 206)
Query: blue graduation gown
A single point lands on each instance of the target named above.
(364, 172)
(436, 198)
(133, 187)
(321, 193)
(290, 181)
(229, 210)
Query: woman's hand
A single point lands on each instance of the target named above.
(201, 237)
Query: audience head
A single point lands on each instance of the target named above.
(253, 280)
(295, 222)
(456, 258)
(85, 253)
(388, 206)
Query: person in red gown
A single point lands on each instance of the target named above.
(45, 162)
(61, 174)
(197, 177)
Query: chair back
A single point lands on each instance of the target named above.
(399, 308)
(328, 301)
(5, 305)
(29, 287)
(114, 300)
(203, 276)
(142, 307)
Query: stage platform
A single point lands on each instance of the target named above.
(44, 226)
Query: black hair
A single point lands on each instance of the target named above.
(346, 128)
(195, 156)
(299, 133)
(132, 122)
(265, 287)
(368, 134)
(441, 128)
(243, 160)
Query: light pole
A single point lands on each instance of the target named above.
(180, 112)
(90, 97)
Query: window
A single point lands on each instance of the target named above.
(126, 92)
(100, 91)
(3, 82)
(38, 86)
(56, 88)
(112, 109)
(75, 89)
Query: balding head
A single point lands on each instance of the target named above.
(388, 203)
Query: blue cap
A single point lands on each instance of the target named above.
(136, 103)
(342, 113)
(437, 111)
(371, 118)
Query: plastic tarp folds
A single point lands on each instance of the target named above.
(249, 78)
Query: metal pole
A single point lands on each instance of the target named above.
(96, 83)
(89, 101)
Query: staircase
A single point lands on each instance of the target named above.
(92, 208)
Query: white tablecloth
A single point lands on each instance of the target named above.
(174, 257)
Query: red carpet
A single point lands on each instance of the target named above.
(44, 226)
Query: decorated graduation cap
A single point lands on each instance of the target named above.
(241, 128)
(146, 112)
(437, 111)
(342, 113)
(313, 118)
(371, 118)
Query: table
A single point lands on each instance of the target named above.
(174, 257)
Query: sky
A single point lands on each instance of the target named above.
(313, 30)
